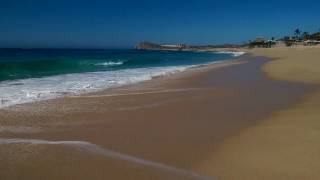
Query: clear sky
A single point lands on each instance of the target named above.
(122, 23)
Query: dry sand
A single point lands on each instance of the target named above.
(286, 144)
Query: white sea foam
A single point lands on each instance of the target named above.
(234, 53)
(37, 89)
(110, 63)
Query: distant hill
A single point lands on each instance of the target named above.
(154, 46)
(148, 46)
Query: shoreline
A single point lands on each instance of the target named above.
(176, 72)
(147, 87)
(154, 72)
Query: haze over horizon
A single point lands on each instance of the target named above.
(122, 24)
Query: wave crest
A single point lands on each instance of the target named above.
(233, 53)
(111, 63)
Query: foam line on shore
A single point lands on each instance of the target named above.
(38, 89)
(93, 148)
(138, 93)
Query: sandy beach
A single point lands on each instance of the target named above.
(253, 118)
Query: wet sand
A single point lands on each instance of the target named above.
(178, 121)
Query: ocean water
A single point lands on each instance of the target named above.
(31, 75)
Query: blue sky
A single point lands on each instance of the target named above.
(122, 23)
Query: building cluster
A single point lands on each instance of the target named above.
(299, 39)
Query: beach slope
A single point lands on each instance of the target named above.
(286, 144)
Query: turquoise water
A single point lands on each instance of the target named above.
(21, 64)
(32, 75)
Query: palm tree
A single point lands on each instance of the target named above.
(297, 33)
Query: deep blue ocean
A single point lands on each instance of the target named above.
(28, 75)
